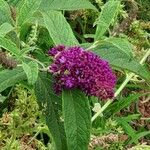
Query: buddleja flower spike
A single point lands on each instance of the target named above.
(75, 67)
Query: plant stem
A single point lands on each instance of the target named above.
(145, 119)
(128, 78)
(145, 57)
(95, 44)
(34, 136)
(36, 61)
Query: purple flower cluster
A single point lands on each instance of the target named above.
(56, 50)
(75, 67)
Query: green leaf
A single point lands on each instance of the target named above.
(77, 119)
(5, 14)
(5, 28)
(48, 100)
(107, 16)
(10, 46)
(136, 137)
(121, 60)
(27, 10)
(14, 2)
(122, 103)
(10, 77)
(126, 126)
(121, 44)
(130, 131)
(58, 28)
(31, 70)
(2, 98)
(129, 118)
(66, 5)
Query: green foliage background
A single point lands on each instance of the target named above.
(32, 115)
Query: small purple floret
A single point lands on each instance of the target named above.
(75, 67)
(55, 50)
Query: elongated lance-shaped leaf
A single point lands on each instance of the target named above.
(121, 44)
(137, 137)
(48, 102)
(2, 98)
(10, 46)
(59, 29)
(122, 103)
(5, 13)
(26, 10)
(66, 5)
(10, 77)
(125, 123)
(106, 18)
(14, 2)
(127, 127)
(5, 28)
(31, 70)
(77, 119)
